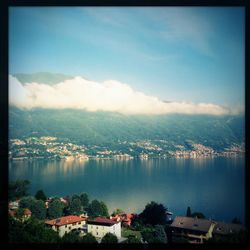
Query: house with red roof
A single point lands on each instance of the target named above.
(100, 226)
(66, 224)
(126, 219)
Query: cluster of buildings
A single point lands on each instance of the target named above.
(52, 147)
(192, 229)
(195, 230)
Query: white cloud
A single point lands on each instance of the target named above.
(114, 96)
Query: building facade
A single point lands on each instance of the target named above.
(194, 230)
(66, 224)
(100, 226)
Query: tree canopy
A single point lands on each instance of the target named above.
(98, 208)
(84, 200)
(88, 239)
(18, 189)
(153, 214)
(40, 195)
(70, 237)
(55, 209)
(31, 231)
(38, 209)
(75, 206)
(109, 238)
(189, 214)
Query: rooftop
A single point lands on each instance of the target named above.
(190, 223)
(102, 221)
(227, 228)
(65, 220)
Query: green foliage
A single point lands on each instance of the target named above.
(109, 238)
(75, 206)
(97, 208)
(18, 189)
(84, 200)
(88, 239)
(38, 209)
(106, 128)
(27, 202)
(198, 215)
(160, 235)
(70, 237)
(189, 214)
(148, 234)
(40, 195)
(19, 213)
(55, 209)
(117, 211)
(31, 231)
(153, 214)
(133, 240)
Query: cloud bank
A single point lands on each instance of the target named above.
(113, 96)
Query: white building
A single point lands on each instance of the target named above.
(66, 224)
(101, 226)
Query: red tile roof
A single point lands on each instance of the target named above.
(26, 211)
(65, 220)
(102, 221)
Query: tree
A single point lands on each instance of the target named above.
(27, 202)
(31, 231)
(70, 237)
(38, 210)
(160, 235)
(18, 189)
(55, 209)
(75, 196)
(88, 239)
(133, 240)
(189, 214)
(97, 208)
(109, 238)
(153, 214)
(104, 209)
(75, 206)
(148, 234)
(40, 195)
(84, 200)
(117, 211)
(198, 215)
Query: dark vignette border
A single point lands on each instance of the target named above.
(4, 6)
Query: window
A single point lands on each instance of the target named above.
(96, 227)
(96, 233)
(69, 228)
(79, 223)
(74, 224)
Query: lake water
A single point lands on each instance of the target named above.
(213, 186)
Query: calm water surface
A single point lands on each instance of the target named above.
(213, 186)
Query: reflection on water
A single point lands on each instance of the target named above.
(214, 186)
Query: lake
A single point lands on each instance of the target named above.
(213, 186)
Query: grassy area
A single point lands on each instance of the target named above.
(126, 232)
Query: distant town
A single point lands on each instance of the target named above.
(48, 147)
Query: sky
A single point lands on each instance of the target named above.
(183, 55)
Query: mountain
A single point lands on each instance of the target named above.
(42, 77)
(109, 128)
(105, 128)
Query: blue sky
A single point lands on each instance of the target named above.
(174, 53)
